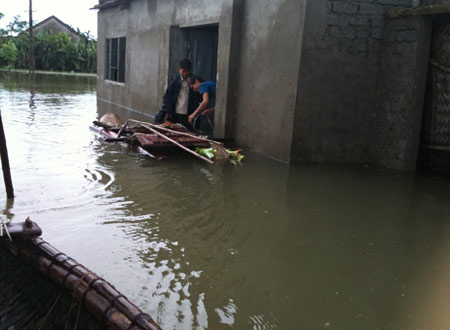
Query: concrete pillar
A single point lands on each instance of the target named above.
(227, 66)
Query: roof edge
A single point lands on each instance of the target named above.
(81, 35)
(106, 4)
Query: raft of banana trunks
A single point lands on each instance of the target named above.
(156, 141)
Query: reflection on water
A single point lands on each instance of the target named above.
(262, 246)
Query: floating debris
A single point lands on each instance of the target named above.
(216, 153)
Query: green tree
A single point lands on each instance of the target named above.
(22, 45)
(3, 32)
(16, 26)
(57, 52)
(9, 52)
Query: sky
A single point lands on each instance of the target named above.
(75, 13)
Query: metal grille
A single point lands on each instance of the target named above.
(437, 111)
(435, 151)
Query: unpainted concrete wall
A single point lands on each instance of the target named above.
(257, 79)
(306, 81)
(337, 107)
(266, 83)
(146, 25)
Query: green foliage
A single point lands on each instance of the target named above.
(207, 152)
(22, 44)
(16, 26)
(3, 32)
(234, 156)
(9, 52)
(55, 52)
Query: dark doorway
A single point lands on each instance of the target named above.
(199, 45)
(202, 51)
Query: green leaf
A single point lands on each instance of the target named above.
(207, 152)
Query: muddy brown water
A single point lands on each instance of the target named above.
(262, 246)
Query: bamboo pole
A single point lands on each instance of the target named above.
(5, 162)
(176, 143)
(177, 132)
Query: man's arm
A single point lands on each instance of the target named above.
(168, 97)
(203, 105)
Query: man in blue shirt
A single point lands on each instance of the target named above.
(179, 100)
(203, 116)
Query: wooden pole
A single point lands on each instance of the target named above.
(5, 162)
(31, 48)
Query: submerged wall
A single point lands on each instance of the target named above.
(146, 25)
(401, 91)
(337, 109)
(324, 81)
(257, 79)
(266, 83)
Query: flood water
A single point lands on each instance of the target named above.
(261, 246)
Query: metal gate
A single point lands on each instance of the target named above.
(202, 51)
(435, 138)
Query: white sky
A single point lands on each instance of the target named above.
(75, 13)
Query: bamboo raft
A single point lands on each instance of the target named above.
(42, 288)
(156, 141)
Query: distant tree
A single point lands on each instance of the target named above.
(3, 32)
(22, 43)
(16, 26)
(57, 52)
(9, 52)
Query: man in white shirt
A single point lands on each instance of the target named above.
(179, 100)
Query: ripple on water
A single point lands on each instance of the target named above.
(218, 247)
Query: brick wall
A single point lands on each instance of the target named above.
(362, 84)
(357, 25)
(362, 27)
(435, 2)
(401, 90)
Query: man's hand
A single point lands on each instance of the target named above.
(191, 118)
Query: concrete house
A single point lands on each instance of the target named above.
(55, 25)
(324, 81)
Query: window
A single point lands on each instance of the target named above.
(115, 59)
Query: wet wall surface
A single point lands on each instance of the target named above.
(261, 246)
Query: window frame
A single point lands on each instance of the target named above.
(115, 55)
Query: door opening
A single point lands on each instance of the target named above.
(199, 45)
(201, 50)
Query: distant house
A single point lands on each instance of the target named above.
(55, 25)
(298, 80)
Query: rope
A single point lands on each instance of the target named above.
(4, 229)
(111, 305)
(134, 320)
(73, 304)
(50, 311)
